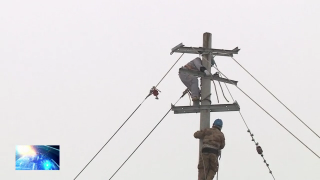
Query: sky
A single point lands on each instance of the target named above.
(71, 72)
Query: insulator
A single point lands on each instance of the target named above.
(259, 150)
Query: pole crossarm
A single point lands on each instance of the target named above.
(213, 77)
(200, 50)
(212, 108)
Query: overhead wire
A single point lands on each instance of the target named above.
(268, 114)
(170, 69)
(262, 109)
(248, 130)
(128, 117)
(146, 137)
(215, 63)
(275, 97)
(215, 89)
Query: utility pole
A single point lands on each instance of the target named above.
(205, 86)
(205, 107)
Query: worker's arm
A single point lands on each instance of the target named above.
(198, 63)
(199, 134)
(223, 142)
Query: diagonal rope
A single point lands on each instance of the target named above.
(248, 130)
(145, 139)
(215, 89)
(169, 69)
(127, 119)
(111, 137)
(269, 114)
(266, 112)
(275, 97)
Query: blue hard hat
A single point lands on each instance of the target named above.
(218, 123)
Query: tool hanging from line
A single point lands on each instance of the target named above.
(154, 91)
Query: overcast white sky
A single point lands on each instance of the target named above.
(71, 72)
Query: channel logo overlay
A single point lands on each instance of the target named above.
(37, 157)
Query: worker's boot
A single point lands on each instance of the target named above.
(196, 101)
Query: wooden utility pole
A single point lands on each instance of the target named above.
(205, 90)
(205, 86)
(205, 107)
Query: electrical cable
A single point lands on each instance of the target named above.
(269, 114)
(266, 112)
(248, 130)
(144, 139)
(275, 97)
(129, 117)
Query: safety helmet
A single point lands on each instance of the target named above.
(218, 123)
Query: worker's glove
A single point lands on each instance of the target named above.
(207, 72)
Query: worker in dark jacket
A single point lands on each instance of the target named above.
(213, 142)
(191, 81)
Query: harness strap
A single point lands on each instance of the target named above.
(211, 150)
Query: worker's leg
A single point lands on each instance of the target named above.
(200, 169)
(205, 163)
(191, 82)
(195, 88)
(213, 166)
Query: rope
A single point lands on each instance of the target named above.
(128, 117)
(248, 130)
(218, 173)
(111, 137)
(268, 114)
(144, 139)
(169, 69)
(216, 91)
(256, 145)
(276, 98)
(189, 99)
(223, 92)
(215, 63)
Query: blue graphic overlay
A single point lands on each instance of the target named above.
(37, 157)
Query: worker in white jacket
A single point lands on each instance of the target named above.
(191, 81)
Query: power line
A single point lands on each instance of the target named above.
(129, 117)
(145, 138)
(268, 113)
(275, 97)
(169, 69)
(111, 137)
(248, 130)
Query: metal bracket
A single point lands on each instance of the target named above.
(213, 77)
(176, 48)
(212, 108)
(200, 50)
